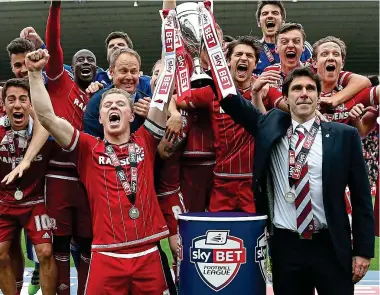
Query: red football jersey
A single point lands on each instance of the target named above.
(342, 80)
(33, 180)
(168, 178)
(113, 229)
(341, 112)
(68, 100)
(233, 145)
(200, 140)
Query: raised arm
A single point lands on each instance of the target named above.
(40, 136)
(59, 128)
(53, 42)
(355, 84)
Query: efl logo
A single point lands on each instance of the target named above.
(217, 257)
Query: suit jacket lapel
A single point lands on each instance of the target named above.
(328, 141)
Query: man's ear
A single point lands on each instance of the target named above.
(132, 118)
(100, 121)
(276, 49)
(111, 72)
(258, 24)
(314, 63)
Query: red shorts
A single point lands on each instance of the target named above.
(172, 205)
(138, 273)
(68, 207)
(196, 184)
(34, 220)
(230, 194)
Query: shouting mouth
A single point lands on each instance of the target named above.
(18, 117)
(242, 70)
(114, 119)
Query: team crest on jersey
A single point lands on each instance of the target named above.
(217, 257)
(260, 254)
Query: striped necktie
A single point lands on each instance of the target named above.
(304, 213)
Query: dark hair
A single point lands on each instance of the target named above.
(119, 34)
(245, 40)
(301, 72)
(16, 82)
(374, 80)
(228, 38)
(261, 4)
(290, 27)
(20, 45)
(337, 41)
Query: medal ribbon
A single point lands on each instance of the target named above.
(215, 53)
(182, 72)
(268, 53)
(296, 164)
(164, 83)
(129, 190)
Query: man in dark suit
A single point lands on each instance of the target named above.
(125, 71)
(301, 169)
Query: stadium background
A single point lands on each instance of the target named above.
(87, 23)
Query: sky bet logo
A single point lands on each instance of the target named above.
(217, 257)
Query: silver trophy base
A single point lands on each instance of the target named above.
(200, 80)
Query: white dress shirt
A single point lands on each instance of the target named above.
(284, 212)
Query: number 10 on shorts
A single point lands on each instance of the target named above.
(42, 222)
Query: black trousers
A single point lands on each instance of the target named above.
(300, 265)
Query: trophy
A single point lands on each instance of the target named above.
(190, 26)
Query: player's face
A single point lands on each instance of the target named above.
(18, 65)
(84, 66)
(302, 98)
(115, 114)
(115, 44)
(270, 19)
(17, 107)
(155, 74)
(289, 46)
(242, 63)
(126, 73)
(329, 62)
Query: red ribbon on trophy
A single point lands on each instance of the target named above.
(215, 52)
(182, 72)
(165, 81)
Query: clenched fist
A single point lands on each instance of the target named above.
(31, 34)
(35, 61)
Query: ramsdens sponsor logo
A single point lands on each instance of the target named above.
(105, 160)
(8, 160)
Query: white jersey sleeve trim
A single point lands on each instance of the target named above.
(56, 77)
(156, 130)
(74, 143)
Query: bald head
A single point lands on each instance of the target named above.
(84, 67)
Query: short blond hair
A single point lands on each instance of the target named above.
(117, 91)
(337, 41)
